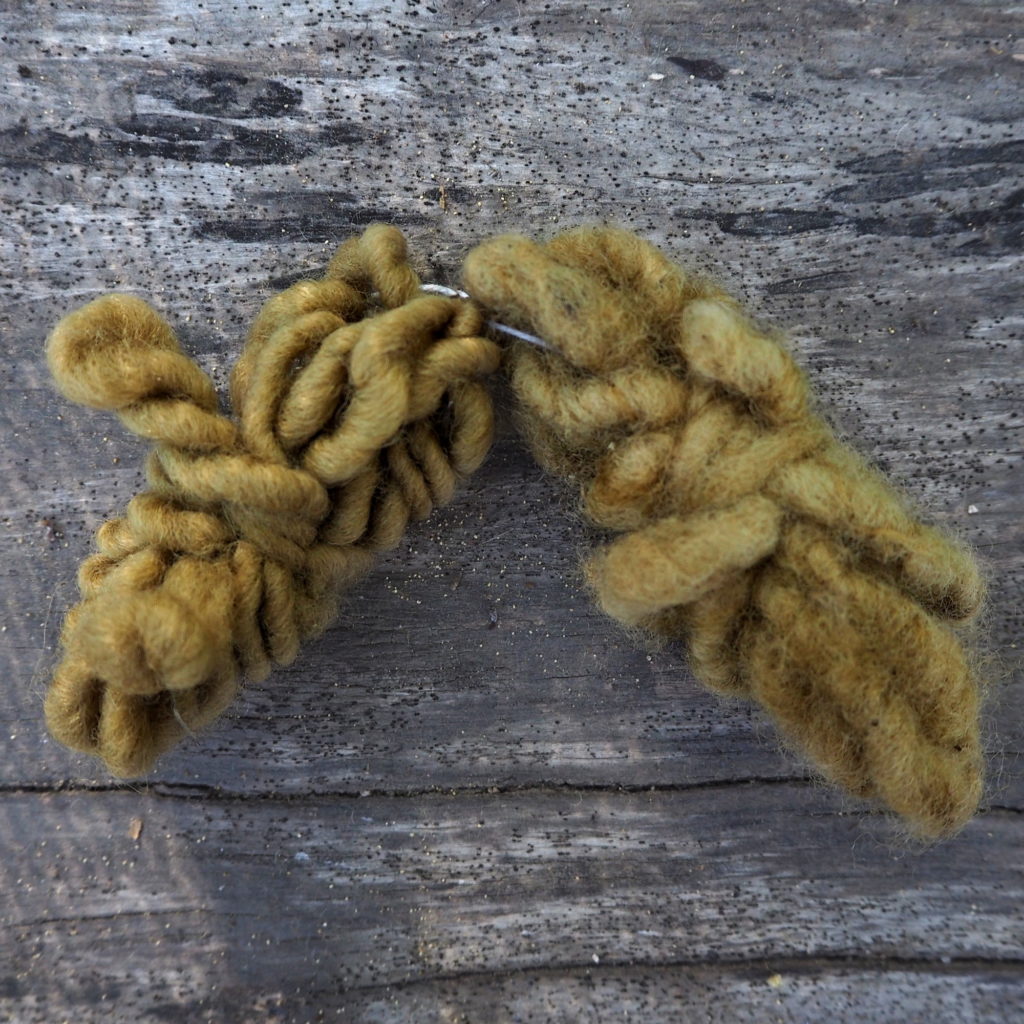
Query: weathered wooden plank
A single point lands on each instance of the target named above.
(718, 994)
(550, 692)
(350, 903)
(778, 991)
(508, 695)
(852, 169)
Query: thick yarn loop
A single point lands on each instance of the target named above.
(358, 406)
(798, 575)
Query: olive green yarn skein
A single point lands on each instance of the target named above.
(798, 576)
(358, 407)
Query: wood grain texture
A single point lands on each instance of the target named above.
(474, 799)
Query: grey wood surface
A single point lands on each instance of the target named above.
(474, 799)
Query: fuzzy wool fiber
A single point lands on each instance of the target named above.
(347, 425)
(797, 575)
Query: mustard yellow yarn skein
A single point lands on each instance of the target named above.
(357, 406)
(798, 575)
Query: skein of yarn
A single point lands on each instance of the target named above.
(799, 578)
(349, 423)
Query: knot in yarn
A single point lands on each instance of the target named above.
(797, 574)
(358, 406)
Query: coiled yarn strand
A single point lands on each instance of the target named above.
(797, 574)
(359, 407)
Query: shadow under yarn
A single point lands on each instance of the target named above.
(798, 576)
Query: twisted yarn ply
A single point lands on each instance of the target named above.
(738, 522)
(348, 425)
(797, 574)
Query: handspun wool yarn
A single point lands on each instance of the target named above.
(798, 576)
(349, 422)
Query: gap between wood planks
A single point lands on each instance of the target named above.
(197, 791)
(1010, 968)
